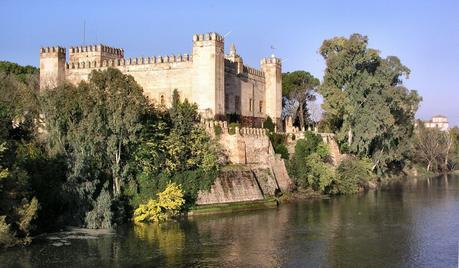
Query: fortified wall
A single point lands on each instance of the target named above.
(219, 84)
(260, 171)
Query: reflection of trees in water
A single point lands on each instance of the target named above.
(168, 237)
(369, 230)
(244, 238)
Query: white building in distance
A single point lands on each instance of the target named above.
(438, 121)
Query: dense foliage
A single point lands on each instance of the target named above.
(357, 83)
(87, 155)
(167, 205)
(310, 165)
(18, 203)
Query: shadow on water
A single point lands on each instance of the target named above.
(410, 223)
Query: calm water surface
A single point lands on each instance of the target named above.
(413, 223)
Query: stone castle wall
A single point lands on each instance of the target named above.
(219, 84)
(158, 76)
(249, 149)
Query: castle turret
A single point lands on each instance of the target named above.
(93, 53)
(52, 67)
(234, 57)
(208, 74)
(273, 87)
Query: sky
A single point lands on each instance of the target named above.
(423, 34)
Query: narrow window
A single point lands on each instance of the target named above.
(162, 102)
(261, 106)
(250, 105)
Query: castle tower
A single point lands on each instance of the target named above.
(208, 74)
(52, 67)
(234, 57)
(273, 87)
(94, 53)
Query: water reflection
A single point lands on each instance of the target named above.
(410, 222)
(169, 238)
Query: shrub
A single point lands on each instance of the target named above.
(101, 215)
(6, 236)
(282, 150)
(352, 174)
(308, 166)
(269, 124)
(277, 139)
(232, 128)
(217, 130)
(320, 174)
(166, 206)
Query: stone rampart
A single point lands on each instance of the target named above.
(249, 149)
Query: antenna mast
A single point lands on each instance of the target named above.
(84, 32)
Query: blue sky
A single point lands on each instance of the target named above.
(423, 34)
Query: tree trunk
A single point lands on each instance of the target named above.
(116, 177)
(301, 115)
(349, 136)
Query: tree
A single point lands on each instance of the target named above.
(365, 102)
(173, 148)
(433, 147)
(95, 126)
(298, 88)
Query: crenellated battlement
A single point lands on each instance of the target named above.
(210, 126)
(253, 71)
(97, 48)
(208, 37)
(271, 60)
(56, 49)
(218, 82)
(231, 67)
(130, 61)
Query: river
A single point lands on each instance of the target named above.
(411, 223)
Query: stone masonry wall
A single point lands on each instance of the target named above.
(250, 150)
(232, 186)
(219, 84)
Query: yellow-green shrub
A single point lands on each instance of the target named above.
(166, 206)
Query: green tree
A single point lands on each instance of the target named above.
(173, 148)
(365, 102)
(299, 87)
(352, 175)
(95, 126)
(309, 166)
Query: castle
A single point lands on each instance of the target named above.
(219, 84)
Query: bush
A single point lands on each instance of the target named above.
(166, 206)
(309, 165)
(352, 174)
(232, 128)
(269, 124)
(320, 174)
(282, 150)
(277, 139)
(217, 130)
